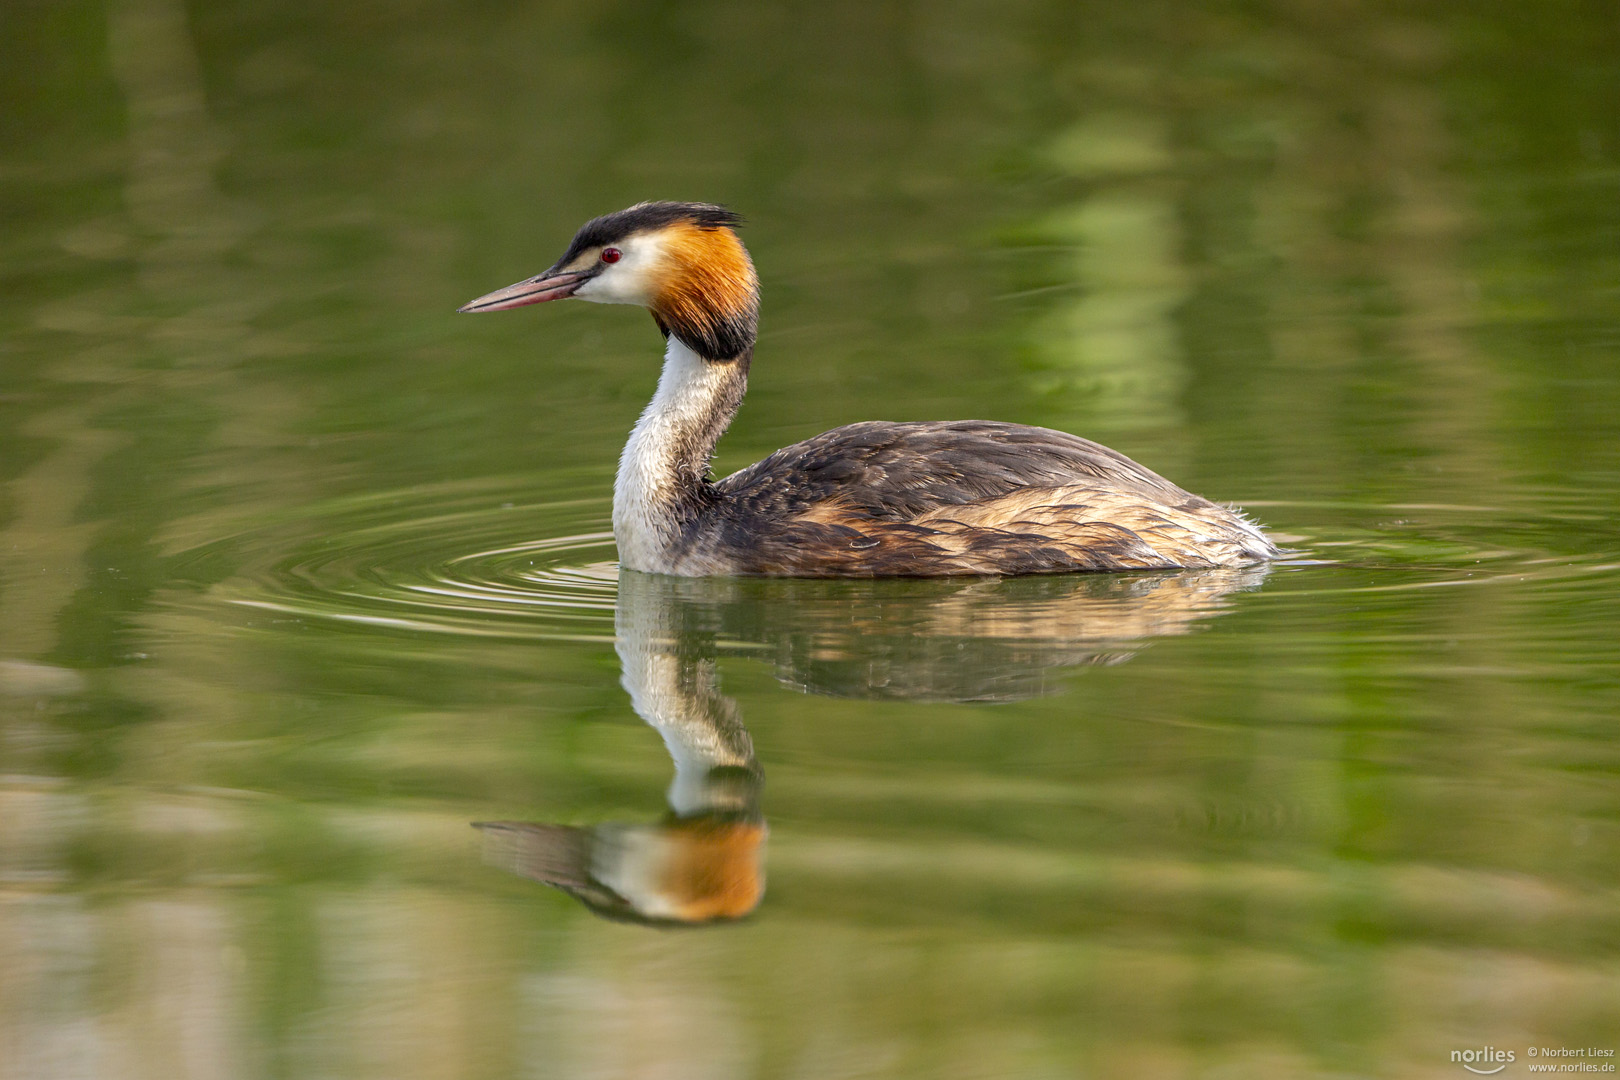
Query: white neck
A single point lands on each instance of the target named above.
(666, 461)
(674, 687)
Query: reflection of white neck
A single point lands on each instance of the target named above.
(666, 460)
(677, 695)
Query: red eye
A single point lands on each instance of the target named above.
(611, 255)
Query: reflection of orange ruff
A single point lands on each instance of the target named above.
(713, 870)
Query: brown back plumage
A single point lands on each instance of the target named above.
(962, 497)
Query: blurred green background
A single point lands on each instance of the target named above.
(300, 572)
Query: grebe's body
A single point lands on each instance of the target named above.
(871, 499)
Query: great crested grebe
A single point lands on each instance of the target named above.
(873, 499)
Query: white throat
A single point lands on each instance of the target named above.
(667, 456)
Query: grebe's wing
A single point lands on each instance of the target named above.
(898, 471)
(959, 497)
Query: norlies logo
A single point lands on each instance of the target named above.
(1484, 1058)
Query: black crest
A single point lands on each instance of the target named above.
(646, 217)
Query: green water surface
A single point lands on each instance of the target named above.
(301, 573)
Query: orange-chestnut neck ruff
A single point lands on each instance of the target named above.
(707, 293)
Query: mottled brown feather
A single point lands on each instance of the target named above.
(959, 497)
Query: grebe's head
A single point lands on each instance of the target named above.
(699, 870)
(681, 261)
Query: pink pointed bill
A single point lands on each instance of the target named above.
(535, 290)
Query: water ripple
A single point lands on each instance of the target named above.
(476, 560)
(443, 561)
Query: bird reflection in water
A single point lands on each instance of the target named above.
(998, 639)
